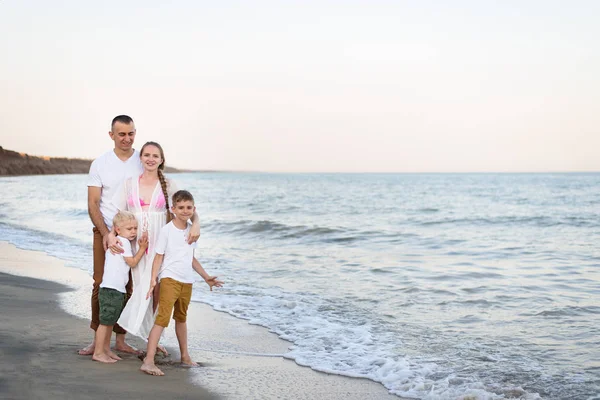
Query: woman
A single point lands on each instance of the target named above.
(148, 197)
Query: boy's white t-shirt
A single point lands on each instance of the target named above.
(116, 270)
(109, 172)
(177, 263)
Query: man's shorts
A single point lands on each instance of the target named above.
(111, 304)
(174, 298)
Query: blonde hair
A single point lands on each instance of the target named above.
(122, 217)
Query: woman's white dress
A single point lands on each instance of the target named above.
(137, 316)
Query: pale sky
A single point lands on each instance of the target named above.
(308, 86)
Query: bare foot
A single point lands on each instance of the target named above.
(162, 349)
(103, 358)
(125, 348)
(151, 369)
(112, 355)
(87, 350)
(187, 362)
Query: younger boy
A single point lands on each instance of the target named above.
(176, 277)
(112, 289)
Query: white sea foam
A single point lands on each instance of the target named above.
(328, 339)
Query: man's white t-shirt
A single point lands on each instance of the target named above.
(109, 172)
(177, 263)
(116, 270)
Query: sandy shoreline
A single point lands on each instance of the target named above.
(240, 361)
(39, 360)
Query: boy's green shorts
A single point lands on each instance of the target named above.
(111, 304)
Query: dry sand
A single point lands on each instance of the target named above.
(39, 341)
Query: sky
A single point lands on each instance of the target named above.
(308, 86)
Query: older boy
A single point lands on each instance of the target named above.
(176, 262)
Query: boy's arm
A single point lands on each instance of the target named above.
(158, 259)
(133, 261)
(210, 280)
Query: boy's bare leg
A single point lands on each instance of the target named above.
(148, 366)
(107, 349)
(181, 332)
(89, 349)
(121, 345)
(155, 297)
(102, 337)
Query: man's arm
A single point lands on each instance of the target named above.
(108, 241)
(94, 194)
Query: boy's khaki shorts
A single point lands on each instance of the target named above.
(174, 298)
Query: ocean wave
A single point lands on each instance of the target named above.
(75, 253)
(383, 271)
(475, 303)
(76, 212)
(277, 230)
(3, 208)
(280, 231)
(428, 210)
(570, 311)
(538, 221)
(270, 227)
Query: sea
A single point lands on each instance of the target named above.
(437, 286)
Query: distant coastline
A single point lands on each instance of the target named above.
(13, 163)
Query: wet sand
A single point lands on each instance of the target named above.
(39, 343)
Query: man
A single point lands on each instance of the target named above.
(107, 172)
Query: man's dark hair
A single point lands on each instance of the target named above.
(182, 195)
(124, 119)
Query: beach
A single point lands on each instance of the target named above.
(40, 342)
(479, 293)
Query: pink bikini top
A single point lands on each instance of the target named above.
(160, 201)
